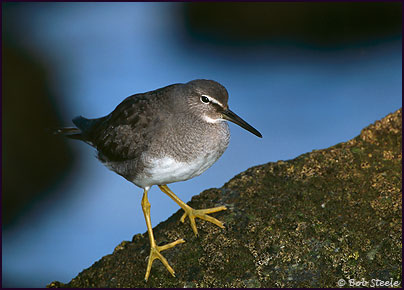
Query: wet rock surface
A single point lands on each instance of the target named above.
(326, 215)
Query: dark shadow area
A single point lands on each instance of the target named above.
(323, 25)
(33, 158)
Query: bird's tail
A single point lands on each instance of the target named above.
(84, 124)
(82, 132)
(70, 132)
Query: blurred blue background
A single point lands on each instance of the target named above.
(304, 87)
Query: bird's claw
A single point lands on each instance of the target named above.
(155, 254)
(202, 214)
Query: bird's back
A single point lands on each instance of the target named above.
(126, 131)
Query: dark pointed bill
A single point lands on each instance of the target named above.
(232, 117)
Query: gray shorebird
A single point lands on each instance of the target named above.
(167, 135)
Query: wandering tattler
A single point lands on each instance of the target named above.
(171, 134)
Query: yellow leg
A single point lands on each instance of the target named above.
(154, 249)
(193, 213)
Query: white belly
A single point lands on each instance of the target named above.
(167, 170)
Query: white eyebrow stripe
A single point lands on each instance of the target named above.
(213, 100)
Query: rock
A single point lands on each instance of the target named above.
(327, 215)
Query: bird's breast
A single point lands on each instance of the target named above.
(167, 170)
(173, 168)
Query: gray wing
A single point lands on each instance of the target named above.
(126, 132)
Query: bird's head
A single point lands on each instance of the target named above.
(210, 98)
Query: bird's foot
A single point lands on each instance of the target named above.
(202, 214)
(155, 254)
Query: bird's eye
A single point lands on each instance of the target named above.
(205, 99)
